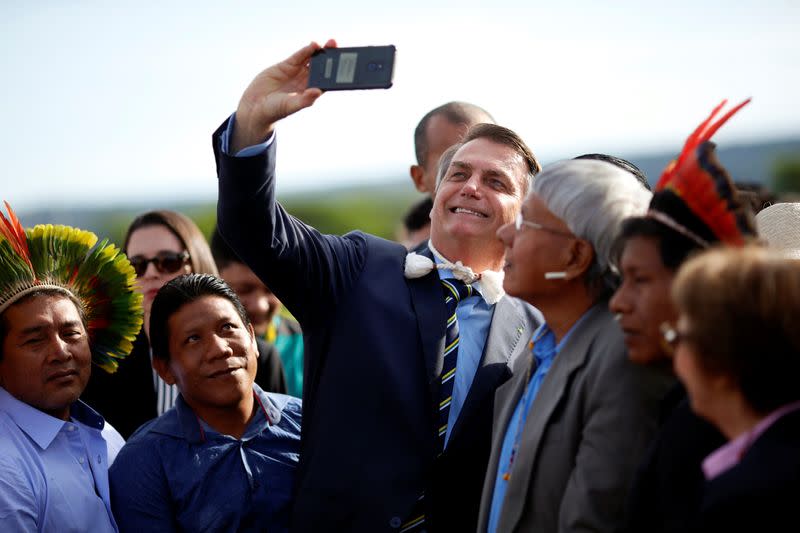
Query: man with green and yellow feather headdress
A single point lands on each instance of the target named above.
(64, 303)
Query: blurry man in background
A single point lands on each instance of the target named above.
(438, 130)
(262, 308)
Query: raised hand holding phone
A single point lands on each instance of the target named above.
(275, 93)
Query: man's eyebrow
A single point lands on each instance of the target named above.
(41, 327)
(32, 329)
(461, 164)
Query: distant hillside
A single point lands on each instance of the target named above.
(378, 208)
(750, 163)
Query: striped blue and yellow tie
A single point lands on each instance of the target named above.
(454, 292)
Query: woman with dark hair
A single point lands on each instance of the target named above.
(161, 245)
(694, 206)
(738, 354)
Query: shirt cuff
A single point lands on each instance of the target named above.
(250, 151)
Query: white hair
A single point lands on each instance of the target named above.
(593, 198)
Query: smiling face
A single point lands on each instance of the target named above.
(212, 355)
(643, 299)
(482, 191)
(46, 360)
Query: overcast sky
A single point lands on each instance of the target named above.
(105, 103)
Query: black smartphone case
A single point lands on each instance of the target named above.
(347, 69)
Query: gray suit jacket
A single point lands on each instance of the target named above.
(588, 427)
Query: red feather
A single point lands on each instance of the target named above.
(708, 191)
(12, 229)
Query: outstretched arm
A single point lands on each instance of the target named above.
(276, 93)
(297, 262)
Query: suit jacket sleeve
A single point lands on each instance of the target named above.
(298, 263)
(620, 422)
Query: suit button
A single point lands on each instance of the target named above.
(395, 522)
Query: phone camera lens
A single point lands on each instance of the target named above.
(372, 67)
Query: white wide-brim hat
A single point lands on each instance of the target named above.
(779, 225)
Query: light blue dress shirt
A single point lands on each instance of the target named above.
(249, 151)
(474, 317)
(54, 473)
(544, 352)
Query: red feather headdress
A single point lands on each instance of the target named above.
(66, 259)
(704, 187)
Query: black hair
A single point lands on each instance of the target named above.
(624, 164)
(181, 291)
(455, 113)
(674, 248)
(418, 216)
(223, 254)
(44, 291)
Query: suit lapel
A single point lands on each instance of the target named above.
(571, 357)
(428, 302)
(507, 335)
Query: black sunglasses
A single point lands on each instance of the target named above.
(165, 262)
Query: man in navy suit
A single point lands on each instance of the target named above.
(375, 322)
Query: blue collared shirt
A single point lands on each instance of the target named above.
(544, 352)
(474, 317)
(176, 473)
(53, 472)
(248, 151)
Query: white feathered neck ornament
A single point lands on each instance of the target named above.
(491, 282)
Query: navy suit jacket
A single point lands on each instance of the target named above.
(373, 360)
(762, 491)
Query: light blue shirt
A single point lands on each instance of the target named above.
(544, 352)
(249, 151)
(474, 317)
(54, 473)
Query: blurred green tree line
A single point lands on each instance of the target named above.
(338, 212)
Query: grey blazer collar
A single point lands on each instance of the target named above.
(549, 396)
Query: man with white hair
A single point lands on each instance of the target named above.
(577, 414)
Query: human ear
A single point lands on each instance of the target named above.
(417, 176)
(581, 257)
(162, 366)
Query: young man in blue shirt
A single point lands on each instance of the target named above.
(224, 458)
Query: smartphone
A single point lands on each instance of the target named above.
(347, 69)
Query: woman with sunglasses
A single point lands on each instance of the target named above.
(666, 491)
(161, 245)
(738, 354)
(572, 421)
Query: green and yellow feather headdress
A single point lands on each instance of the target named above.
(66, 259)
